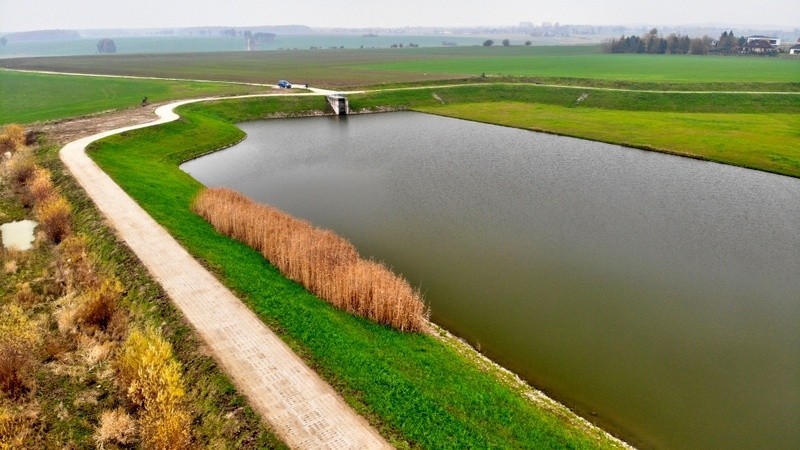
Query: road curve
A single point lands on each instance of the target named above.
(302, 408)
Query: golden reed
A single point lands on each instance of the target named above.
(323, 262)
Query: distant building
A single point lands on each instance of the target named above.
(759, 46)
(794, 50)
(774, 42)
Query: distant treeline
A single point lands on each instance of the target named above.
(42, 35)
(652, 43)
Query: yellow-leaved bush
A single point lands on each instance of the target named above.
(152, 380)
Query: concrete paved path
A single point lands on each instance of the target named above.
(302, 408)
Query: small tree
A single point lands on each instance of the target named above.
(488, 43)
(528, 43)
(106, 46)
(506, 43)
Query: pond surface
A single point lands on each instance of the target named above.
(657, 295)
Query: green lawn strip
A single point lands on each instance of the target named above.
(579, 98)
(416, 389)
(31, 97)
(767, 142)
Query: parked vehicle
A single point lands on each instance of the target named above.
(284, 84)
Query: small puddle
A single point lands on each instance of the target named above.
(18, 235)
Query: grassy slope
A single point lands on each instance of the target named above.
(768, 142)
(26, 97)
(416, 389)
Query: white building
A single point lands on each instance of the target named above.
(774, 42)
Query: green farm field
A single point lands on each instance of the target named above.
(583, 65)
(27, 97)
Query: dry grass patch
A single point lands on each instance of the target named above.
(116, 427)
(12, 138)
(20, 167)
(20, 338)
(97, 304)
(74, 263)
(24, 295)
(16, 428)
(54, 217)
(323, 262)
(39, 187)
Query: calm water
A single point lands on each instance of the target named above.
(657, 295)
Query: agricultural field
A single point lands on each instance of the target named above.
(577, 65)
(26, 97)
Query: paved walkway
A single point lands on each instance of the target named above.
(302, 408)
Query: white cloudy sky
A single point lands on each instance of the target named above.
(21, 15)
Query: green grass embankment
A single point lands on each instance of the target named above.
(417, 390)
(757, 131)
(32, 97)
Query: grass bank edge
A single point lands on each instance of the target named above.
(398, 381)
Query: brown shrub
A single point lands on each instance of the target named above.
(21, 167)
(39, 187)
(54, 218)
(24, 295)
(19, 345)
(325, 263)
(16, 428)
(12, 138)
(97, 304)
(116, 427)
(75, 265)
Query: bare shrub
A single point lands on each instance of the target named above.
(54, 218)
(39, 187)
(116, 427)
(24, 295)
(98, 302)
(19, 342)
(323, 262)
(12, 138)
(75, 265)
(21, 167)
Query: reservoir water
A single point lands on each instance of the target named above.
(658, 296)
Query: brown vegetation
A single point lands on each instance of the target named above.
(19, 344)
(21, 166)
(325, 263)
(116, 427)
(39, 187)
(151, 378)
(54, 217)
(12, 138)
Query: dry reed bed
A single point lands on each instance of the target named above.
(323, 262)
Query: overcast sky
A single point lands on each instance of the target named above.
(22, 15)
